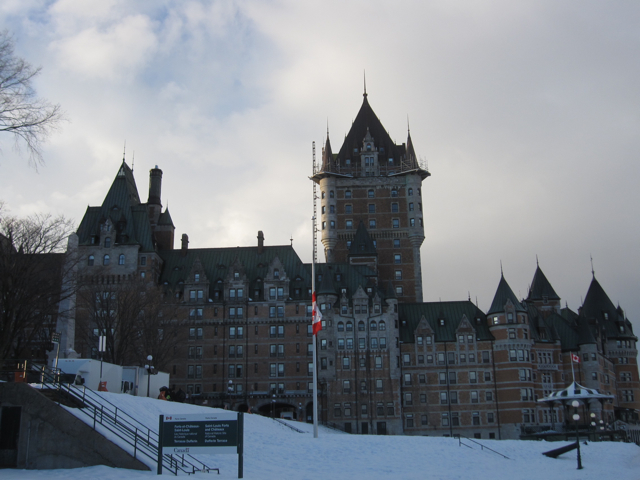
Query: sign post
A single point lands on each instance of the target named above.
(210, 433)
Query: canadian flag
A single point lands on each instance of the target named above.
(316, 315)
(575, 358)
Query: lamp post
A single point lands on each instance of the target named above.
(149, 369)
(576, 417)
(273, 406)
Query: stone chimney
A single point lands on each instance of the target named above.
(185, 244)
(260, 242)
(155, 185)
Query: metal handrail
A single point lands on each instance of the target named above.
(137, 435)
(482, 447)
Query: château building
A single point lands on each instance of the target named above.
(388, 363)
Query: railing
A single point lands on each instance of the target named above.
(482, 447)
(136, 435)
(279, 420)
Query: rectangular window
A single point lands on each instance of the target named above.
(473, 377)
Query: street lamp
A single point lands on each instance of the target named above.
(149, 369)
(273, 406)
(593, 420)
(576, 417)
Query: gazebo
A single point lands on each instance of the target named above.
(576, 392)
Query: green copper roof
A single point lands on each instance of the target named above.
(541, 288)
(452, 313)
(504, 293)
(165, 218)
(122, 206)
(362, 244)
(599, 308)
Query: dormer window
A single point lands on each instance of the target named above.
(276, 274)
(368, 147)
(606, 316)
(196, 278)
(441, 321)
(236, 275)
(107, 242)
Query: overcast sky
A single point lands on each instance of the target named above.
(527, 113)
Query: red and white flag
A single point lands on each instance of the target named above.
(316, 315)
(575, 358)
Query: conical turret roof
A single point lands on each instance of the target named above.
(504, 293)
(541, 288)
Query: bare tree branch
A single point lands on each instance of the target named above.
(30, 119)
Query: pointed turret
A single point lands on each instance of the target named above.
(327, 156)
(599, 308)
(362, 244)
(503, 295)
(541, 288)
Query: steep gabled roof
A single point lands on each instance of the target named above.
(541, 288)
(452, 313)
(504, 293)
(362, 244)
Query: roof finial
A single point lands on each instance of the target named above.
(133, 159)
(365, 84)
(124, 151)
(537, 264)
(593, 273)
(469, 294)
(501, 272)
(327, 127)
(408, 127)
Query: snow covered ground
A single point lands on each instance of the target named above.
(274, 451)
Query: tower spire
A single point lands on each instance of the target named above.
(365, 84)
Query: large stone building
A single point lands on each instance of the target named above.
(388, 362)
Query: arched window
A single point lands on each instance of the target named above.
(382, 325)
(105, 260)
(368, 147)
(340, 326)
(394, 192)
(361, 326)
(410, 192)
(121, 260)
(276, 273)
(349, 327)
(107, 242)
(373, 326)
(90, 260)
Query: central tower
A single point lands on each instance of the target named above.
(374, 184)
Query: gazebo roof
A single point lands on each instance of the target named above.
(575, 391)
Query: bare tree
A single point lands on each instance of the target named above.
(29, 118)
(32, 266)
(132, 316)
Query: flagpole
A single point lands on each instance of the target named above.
(314, 306)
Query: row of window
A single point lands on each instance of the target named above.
(450, 358)
(451, 398)
(339, 409)
(373, 325)
(371, 193)
(375, 343)
(373, 224)
(371, 208)
(455, 420)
